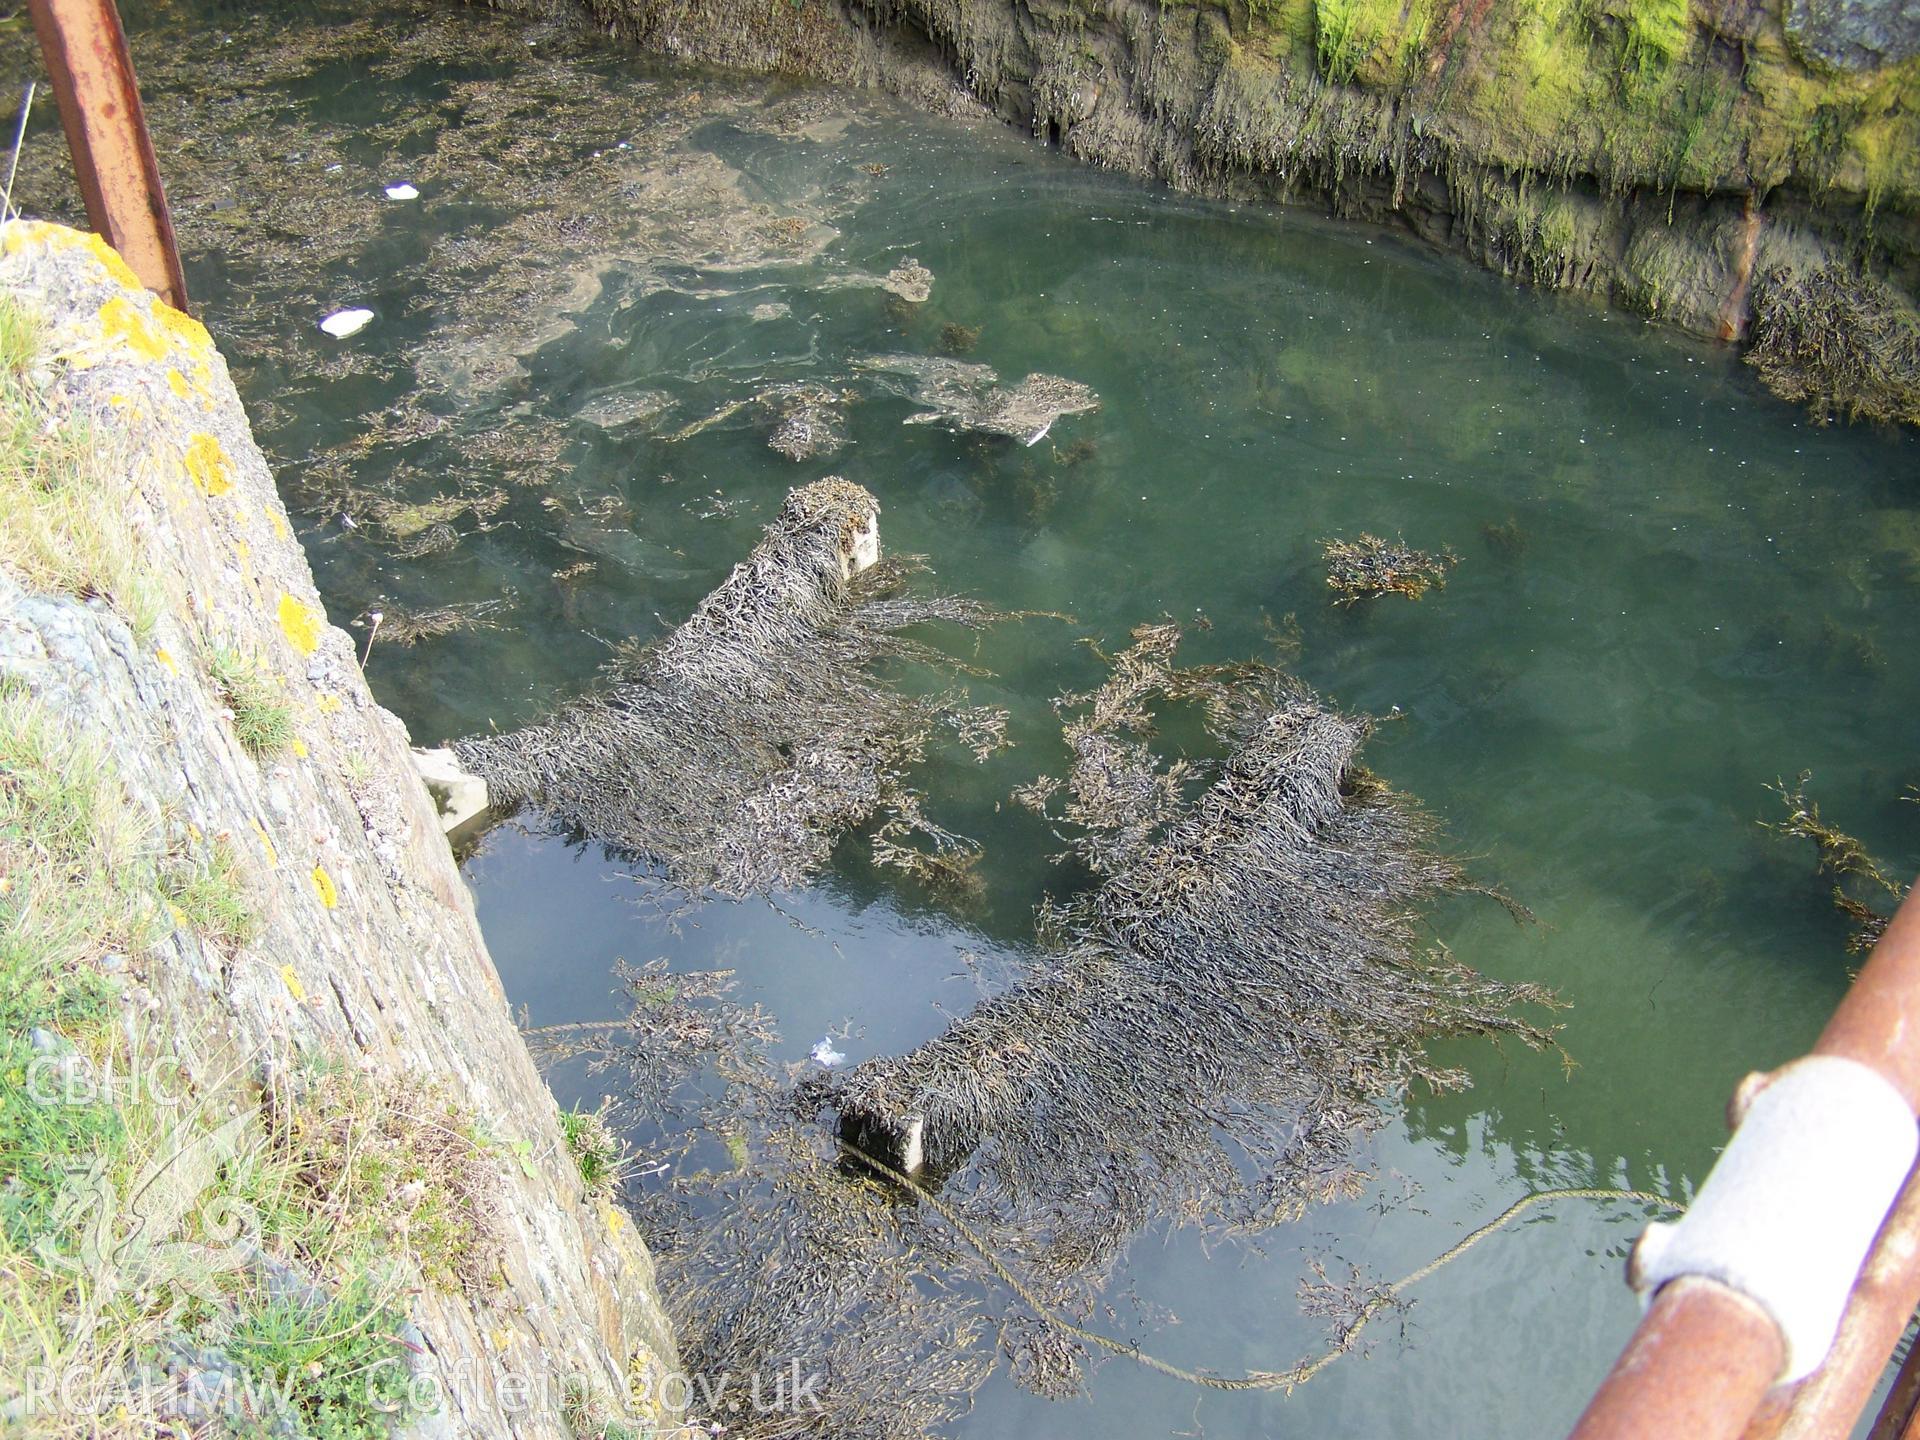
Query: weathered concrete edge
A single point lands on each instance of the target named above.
(368, 947)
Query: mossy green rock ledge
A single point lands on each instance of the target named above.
(1713, 164)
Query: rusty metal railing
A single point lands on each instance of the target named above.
(92, 74)
(1704, 1361)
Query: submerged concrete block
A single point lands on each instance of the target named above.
(459, 795)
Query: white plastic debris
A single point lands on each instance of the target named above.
(402, 191)
(827, 1055)
(343, 323)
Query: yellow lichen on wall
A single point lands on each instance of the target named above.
(123, 325)
(324, 887)
(118, 268)
(300, 624)
(207, 465)
(183, 330)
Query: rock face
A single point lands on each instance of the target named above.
(1664, 155)
(366, 953)
(1856, 34)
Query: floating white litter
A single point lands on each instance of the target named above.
(343, 323)
(402, 191)
(827, 1055)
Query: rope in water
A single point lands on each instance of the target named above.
(1254, 1379)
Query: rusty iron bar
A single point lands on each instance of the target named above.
(1830, 1401)
(1703, 1360)
(1899, 1417)
(92, 74)
(1697, 1365)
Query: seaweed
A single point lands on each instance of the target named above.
(407, 627)
(962, 396)
(958, 339)
(1856, 878)
(734, 752)
(1212, 1027)
(1505, 539)
(1369, 567)
(779, 1262)
(1839, 342)
(1240, 989)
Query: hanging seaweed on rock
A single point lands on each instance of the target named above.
(737, 749)
(1234, 997)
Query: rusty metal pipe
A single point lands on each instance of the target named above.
(1697, 1365)
(1829, 1402)
(1703, 1359)
(1878, 1020)
(86, 56)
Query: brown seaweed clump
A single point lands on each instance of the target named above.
(774, 1260)
(1220, 1017)
(1861, 884)
(1211, 1028)
(1369, 567)
(734, 751)
(1838, 342)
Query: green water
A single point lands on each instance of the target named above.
(1708, 594)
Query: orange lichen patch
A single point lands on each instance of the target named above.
(124, 325)
(324, 887)
(273, 855)
(300, 623)
(207, 465)
(118, 269)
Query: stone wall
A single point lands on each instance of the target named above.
(366, 952)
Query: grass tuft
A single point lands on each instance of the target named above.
(212, 896)
(597, 1152)
(393, 1171)
(338, 1359)
(63, 526)
(22, 337)
(262, 721)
